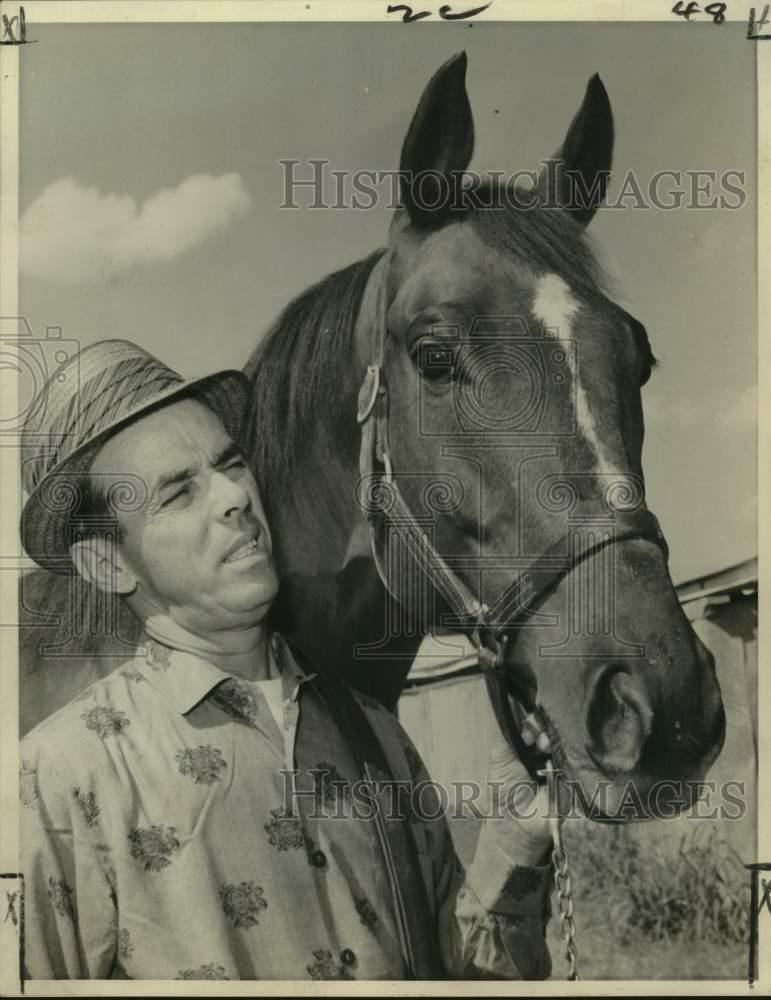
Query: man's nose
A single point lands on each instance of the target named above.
(230, 497)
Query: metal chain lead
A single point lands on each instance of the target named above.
(567, 923)
(559, 859)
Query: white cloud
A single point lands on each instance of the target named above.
(738, 412)
(742, 412)
(674, 411)
(73, 234)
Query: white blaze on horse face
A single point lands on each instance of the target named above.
(555, 306)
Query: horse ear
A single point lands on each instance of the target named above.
(439, 143)
(576, 178)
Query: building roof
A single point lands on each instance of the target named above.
(742, 576)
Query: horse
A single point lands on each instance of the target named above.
(478, 369)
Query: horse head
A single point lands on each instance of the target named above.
(515, 428)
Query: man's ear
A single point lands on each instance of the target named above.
(99, 562)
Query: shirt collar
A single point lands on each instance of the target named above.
(184, 678)
(292, 674)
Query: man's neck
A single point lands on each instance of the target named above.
(243, 652)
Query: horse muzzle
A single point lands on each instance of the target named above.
(619, 720)
(637, 754)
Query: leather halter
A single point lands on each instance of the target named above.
(487, 627)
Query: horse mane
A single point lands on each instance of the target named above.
(70, 634)
(294, 372)
(63, 606)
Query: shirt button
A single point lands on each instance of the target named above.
(318, 859)
(347, 957)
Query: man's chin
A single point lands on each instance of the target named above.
(252, 598)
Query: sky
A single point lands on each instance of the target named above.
(151, 189)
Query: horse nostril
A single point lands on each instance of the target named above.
(619, 720)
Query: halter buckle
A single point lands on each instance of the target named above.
(368, 393)
(389, 469)
(481, 611)
(490, 659)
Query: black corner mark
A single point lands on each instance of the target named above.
(15, 913)
(754, 26)
(10, 913)
(755, 910)
(15, 29)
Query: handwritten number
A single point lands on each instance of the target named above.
(692, 8)
(445, 12)
(716, 11)
(409, 17)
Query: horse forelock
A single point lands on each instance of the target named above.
(546, 240)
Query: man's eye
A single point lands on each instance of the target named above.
(179, 495)
(435, 360)
(237, 464)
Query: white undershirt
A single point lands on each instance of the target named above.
(274, 695)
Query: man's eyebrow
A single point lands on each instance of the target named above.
(228, 453)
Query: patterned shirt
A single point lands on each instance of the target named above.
(172, 830)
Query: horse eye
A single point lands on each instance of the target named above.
(435, 360)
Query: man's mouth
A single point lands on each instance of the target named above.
(249, 548)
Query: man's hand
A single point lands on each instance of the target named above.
(525, 827)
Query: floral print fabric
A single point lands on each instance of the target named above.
(172, 830)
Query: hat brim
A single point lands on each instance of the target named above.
(45, 519)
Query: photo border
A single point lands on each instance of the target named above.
(137, 11)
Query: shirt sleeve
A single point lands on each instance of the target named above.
(490, 921)
(69, 910)
(492, 918)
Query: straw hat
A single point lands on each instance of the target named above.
(95, 393)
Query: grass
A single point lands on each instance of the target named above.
(648, 907)
(696, 890)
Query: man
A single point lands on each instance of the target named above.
(200, 813)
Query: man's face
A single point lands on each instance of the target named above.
(199, 547)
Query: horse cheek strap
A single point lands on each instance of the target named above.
(487, 627)
(372, 417)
